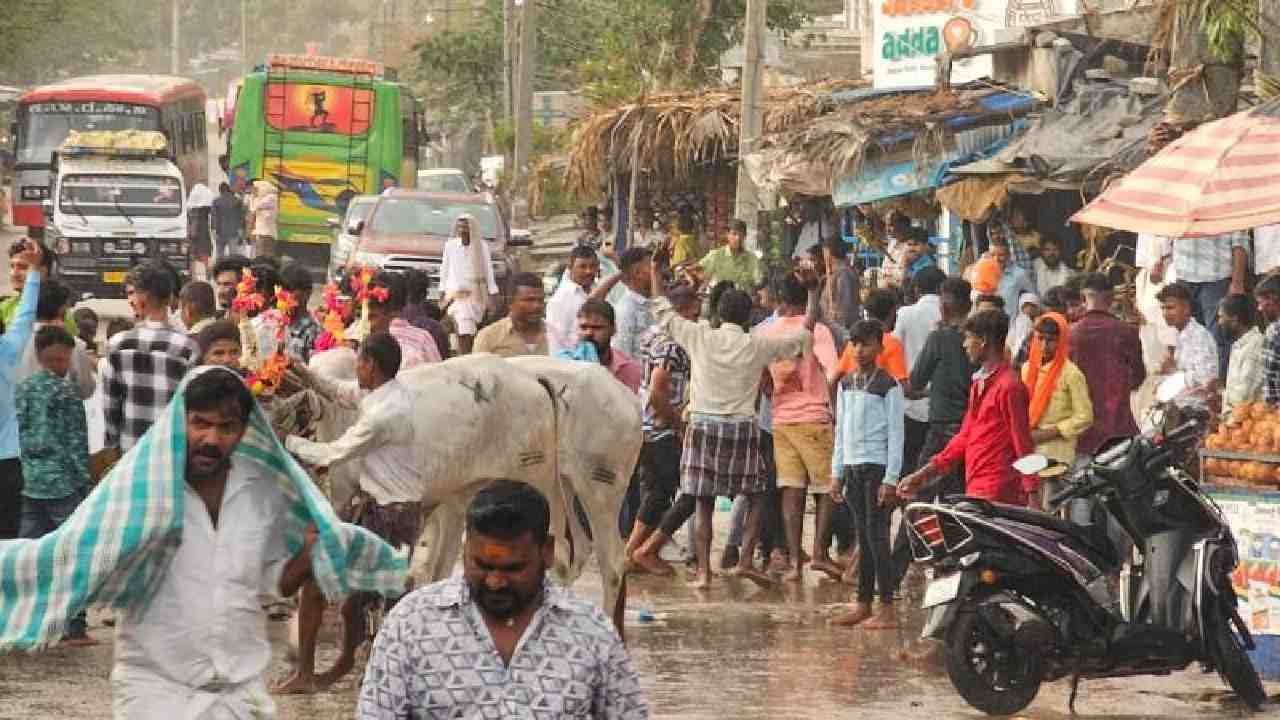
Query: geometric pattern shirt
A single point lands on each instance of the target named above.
(1271, 365)
(658, 350)
(434, 659)
(54, 436)
(1197, 353)
(144, 367)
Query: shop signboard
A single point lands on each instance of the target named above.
(1254, 518)
(910, 34)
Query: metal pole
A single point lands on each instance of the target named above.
(173, 40)
(748, 203)
(524, 114)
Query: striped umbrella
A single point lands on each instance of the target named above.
(1221, 177)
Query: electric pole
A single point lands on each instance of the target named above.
(523, 113)
(507, 41)
(173, 40)
(749, 204)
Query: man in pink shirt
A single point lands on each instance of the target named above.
(802, 434)
(596, 326)
(417, 346)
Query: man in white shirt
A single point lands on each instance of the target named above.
(388, 502)
(200, 648)
(562, 310)
(466, 279)
(1050, 269)
(1238, 318)
(915, 322)
(1196, 352)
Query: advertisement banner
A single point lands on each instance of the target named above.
(1255, 521)
(910, 34)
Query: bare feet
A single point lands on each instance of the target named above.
(883, 619)
(296, 684)
(701, 581)
(860, 613)
(646, 563)
(778, 562)
(752, 574)
(335, 673)
(793, 576)
(79, 642)
(825, 566)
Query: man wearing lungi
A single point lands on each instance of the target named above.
(721, 452)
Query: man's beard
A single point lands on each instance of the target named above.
(223, 462)
(503, 604)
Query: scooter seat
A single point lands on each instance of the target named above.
(1098, 549)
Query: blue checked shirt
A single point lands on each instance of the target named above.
(1199, 260)
(1271, 365)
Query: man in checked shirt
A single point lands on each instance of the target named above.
(144, 365)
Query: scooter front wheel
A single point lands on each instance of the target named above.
(1234, 665)
(985, 667)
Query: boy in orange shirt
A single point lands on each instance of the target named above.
(882, 306)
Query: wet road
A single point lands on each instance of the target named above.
(735, 651)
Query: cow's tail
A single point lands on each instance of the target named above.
(564, 529)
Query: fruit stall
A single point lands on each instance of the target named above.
(1240, 467)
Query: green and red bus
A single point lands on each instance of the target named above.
(322, 130)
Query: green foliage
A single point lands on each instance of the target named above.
(1227, 23)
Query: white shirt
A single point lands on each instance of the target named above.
(95, 419)
(1197, 353)
(81, 372)
(201, 648)
(1266, 248)
(264, 209)
(1150, 248)
(1244, 371)
(382, 441)
(915, 323)
(1047, 277)
(456, 271)
(562, 316)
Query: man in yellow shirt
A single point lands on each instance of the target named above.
(1060, 409)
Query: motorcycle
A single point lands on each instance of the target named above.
(1022, 597)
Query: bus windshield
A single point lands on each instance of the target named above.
(47, 124)
(431, 217)
(128, 196)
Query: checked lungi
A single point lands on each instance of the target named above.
(721, 457)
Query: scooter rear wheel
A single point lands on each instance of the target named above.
(984, 665)
(1234, 665)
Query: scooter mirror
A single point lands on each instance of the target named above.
(1171, 387)
(1031, 464)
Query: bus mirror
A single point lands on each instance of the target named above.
(46, 206)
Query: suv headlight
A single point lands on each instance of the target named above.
(35, 192)
(82, 248)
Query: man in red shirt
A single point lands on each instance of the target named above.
(1109, 353)
(995, 431)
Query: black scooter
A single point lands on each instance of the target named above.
(1021, 596)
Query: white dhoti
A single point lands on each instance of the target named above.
(138, 695)
(467, 311)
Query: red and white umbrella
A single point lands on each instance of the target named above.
(1221, 177)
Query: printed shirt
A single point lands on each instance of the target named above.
(741, 268)
(205, 625)
(915, 323)
(1271, 365)
(1109, 353)
(416, 345)
(800, 393)
(1244, 371)
(1070, 412)
(382, 441)
(1207, 259)
(54, 437)
(943, 366)
(869, 424)
(300, 336)
(634, 318)
(726, 362)
(501, 339)
(1197, 353)
(658, 350)
(144, 367)
(562, 316)
(434, 659)
(995, 432)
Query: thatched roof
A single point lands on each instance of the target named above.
(837, 143)
(677, 132)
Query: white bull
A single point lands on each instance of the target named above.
(481, 417)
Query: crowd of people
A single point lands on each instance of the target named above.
(775, 389)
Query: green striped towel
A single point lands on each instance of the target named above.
(115, 548)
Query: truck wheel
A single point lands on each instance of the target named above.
(984, 665)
